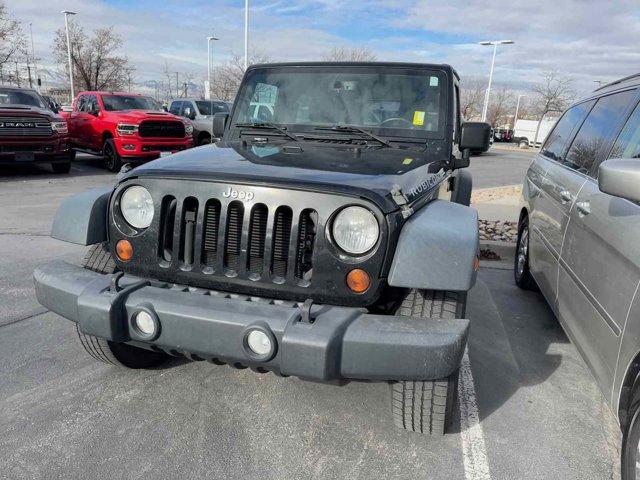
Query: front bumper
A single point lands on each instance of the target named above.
(34, 150)
(332, 343)
(136, 148)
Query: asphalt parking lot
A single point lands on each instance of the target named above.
(63, 415)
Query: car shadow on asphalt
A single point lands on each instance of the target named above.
(511, 340)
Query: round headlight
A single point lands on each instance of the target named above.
(136, 206)
(356, 230)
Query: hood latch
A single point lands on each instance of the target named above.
(401, 200)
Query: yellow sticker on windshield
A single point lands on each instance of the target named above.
(407, 161)
(418, 118)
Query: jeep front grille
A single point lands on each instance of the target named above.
(235, 240)
(25, 127)
(160, 129)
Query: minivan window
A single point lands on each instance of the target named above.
(554, 146)
(595, 133)
(175, 108)
(628, 143)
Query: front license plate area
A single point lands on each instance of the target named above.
(24, 157)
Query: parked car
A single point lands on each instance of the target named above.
(524, 133)
(30, 132)
(502, 135)
(578, 243)
(327, 244)
(201, 113)
(125, 127)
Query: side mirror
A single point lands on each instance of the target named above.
(474, 137)
(620, 177)
(220, 124)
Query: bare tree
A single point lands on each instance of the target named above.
(12, 39)
(96, 65)
(501, 104)
(227, 77)
(553, 94)
(471, 96)
(350, 54)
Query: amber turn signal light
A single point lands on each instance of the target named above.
(124, 250)
(358, 280)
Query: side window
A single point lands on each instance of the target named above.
(554, 146)
(597, 130)
(187, 109)
(92, 104)
(80, 103)
(175, 108)
(628, 143)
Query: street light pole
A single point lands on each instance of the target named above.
(246, 34)
(66, 14)
(33, 57)
(515, 118)
(495, 44)
(209, 40)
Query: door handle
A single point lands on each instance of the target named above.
(584, 208)
(566, 196)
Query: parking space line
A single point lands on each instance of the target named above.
(474, 452)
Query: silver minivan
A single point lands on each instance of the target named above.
(201, 113)
(579, 243)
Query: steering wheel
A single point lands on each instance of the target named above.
(396, 119)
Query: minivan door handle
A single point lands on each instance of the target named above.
(566, 196)
(584, 208)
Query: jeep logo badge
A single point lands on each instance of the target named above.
(239, 194)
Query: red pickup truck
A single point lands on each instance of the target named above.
(125, 128)
(30, 132)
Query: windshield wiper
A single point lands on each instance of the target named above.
(354, 129)
(268, 126)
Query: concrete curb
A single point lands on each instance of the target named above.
(506, 251)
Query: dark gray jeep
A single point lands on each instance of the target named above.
(329, 238)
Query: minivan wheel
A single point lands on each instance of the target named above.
(204, 140)
(99, 259)
(521, 271)
(112, 160)
(631, 448)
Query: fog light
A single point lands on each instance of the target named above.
(358, 280)
(124, 250)
(145, 323)
(129, 146)
(259, 343)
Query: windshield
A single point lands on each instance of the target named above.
(205, 107)
(114, 103)
(9, 96)
(392, 101)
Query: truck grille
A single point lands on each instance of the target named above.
(161, 129)
(252, 241)
(25, 127)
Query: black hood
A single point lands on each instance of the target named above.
(10, 109)
(365, 172)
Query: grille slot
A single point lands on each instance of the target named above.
(281, 238)
(188, 230)
(305, 243)
(167, 223)
(211, 228)
(257, 234)
(233, 236)
(159, 129)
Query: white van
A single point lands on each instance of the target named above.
(524, 133)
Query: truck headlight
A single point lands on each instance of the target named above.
(127, 129)
(136, 206)
(60, 127)
(188, 129)
(355, 230)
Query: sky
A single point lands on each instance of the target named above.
(588, 40)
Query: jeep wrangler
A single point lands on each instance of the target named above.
(329, 239)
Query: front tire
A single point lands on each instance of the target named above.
(631, 448)
(99, 259)
(428, 407)
(112, 159)
(521, 271)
